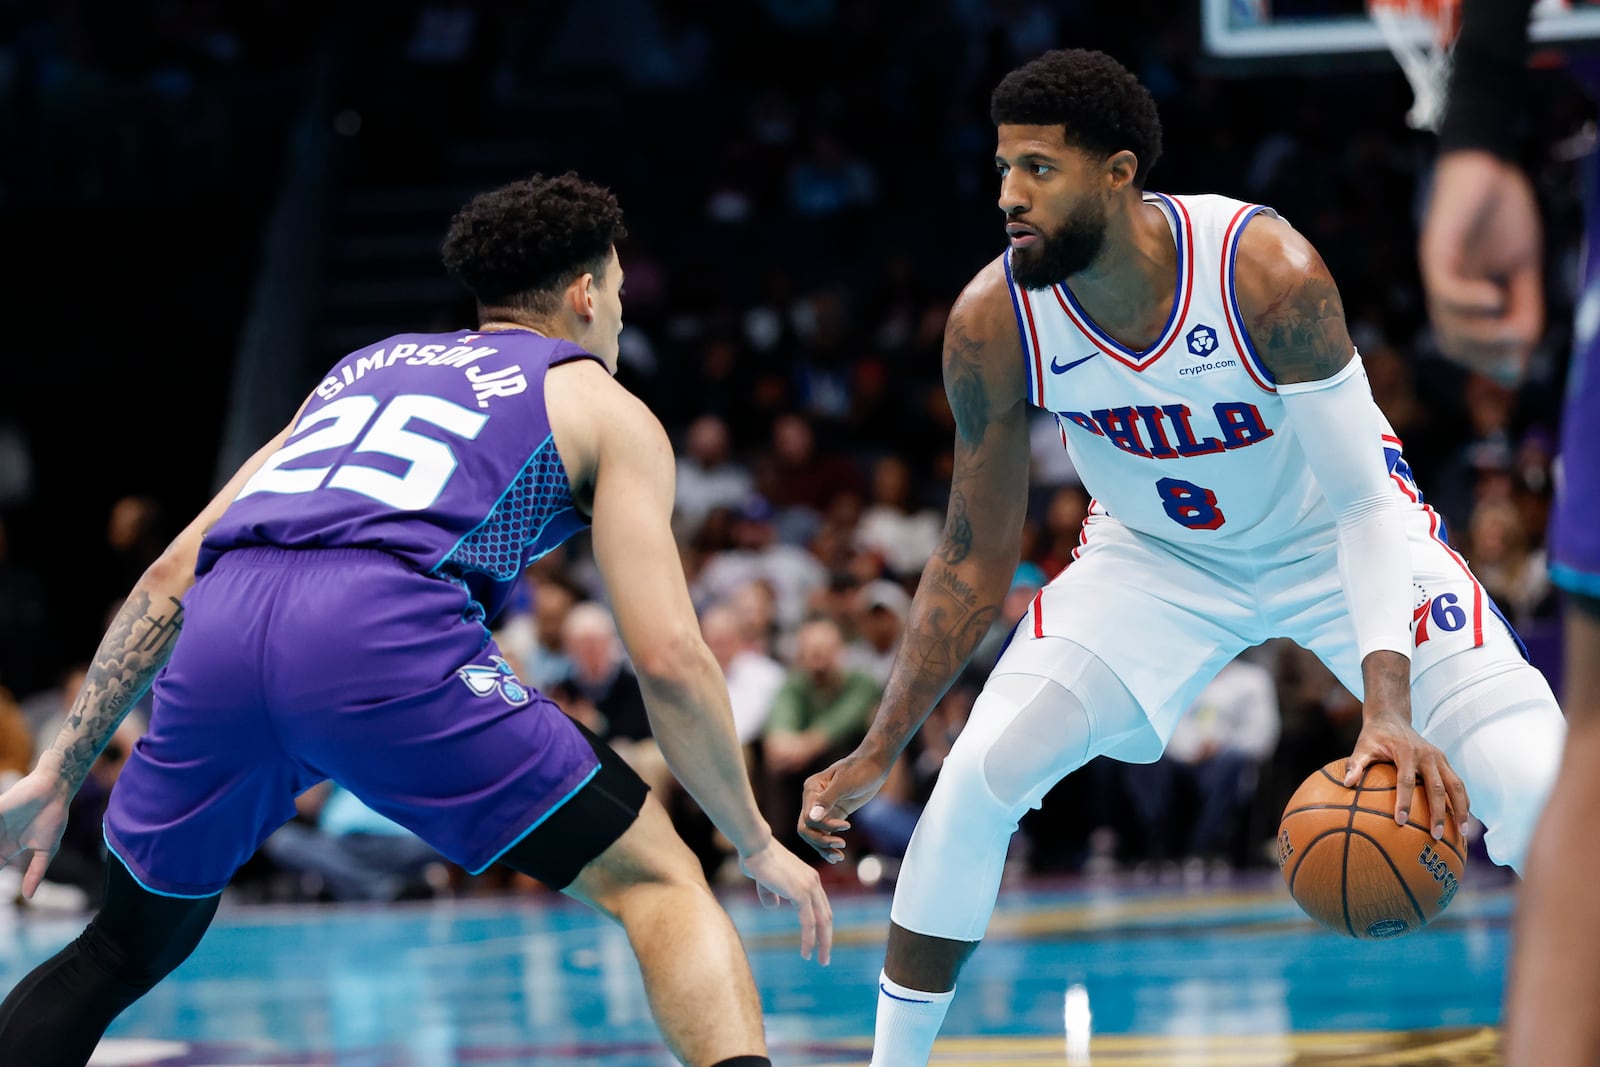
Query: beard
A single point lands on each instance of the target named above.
(1062, 252)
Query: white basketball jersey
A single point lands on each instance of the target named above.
(1185, 441)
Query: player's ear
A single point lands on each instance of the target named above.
(1121, 169)
(580, 296)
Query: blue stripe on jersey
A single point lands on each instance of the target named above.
(536, 497)
(1177, 293)
(1022, 330)
(1575, 581)
(1512, 630)
(1230, 257)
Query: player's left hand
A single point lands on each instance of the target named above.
(781, 875)
(33, 816)
(1391, 739)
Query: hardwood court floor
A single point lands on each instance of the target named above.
(1212, 975)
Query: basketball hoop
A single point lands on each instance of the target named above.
(1422, 35)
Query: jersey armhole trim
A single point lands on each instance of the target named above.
(1230, 300)
(1031, 366)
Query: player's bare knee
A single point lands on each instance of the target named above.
(647, 859)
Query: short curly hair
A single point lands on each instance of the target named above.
(520, 245)
(1099, 103)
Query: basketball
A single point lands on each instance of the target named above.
(1353, 869)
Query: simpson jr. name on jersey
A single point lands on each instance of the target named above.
(486, 385)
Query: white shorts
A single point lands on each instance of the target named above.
(1166, 619)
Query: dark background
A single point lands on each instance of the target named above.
(836, 153)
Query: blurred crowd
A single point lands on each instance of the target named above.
(800, 229)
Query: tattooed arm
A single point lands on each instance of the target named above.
(965, 582)
(138, 642)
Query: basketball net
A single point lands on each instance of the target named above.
(1422, 35)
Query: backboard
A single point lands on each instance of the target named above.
(1268, 29)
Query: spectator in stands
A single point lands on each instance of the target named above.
(16, 740)
(820, 714)
(602, 691)
(707, 475)
(758, 555)
(1514, 574)
(794, 474)
(532, 639)
(880, 621)
(893, 524)
(349, 851)
(754, 678)
(1063, 527)
(1215, 755)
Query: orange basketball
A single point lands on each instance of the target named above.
(1353, 869)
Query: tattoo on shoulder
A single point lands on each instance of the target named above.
(1302, 335)
(969, 398)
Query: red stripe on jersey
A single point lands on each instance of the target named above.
(1232, 234)
(1033, 342)
(1181, 299)
(1433, 532)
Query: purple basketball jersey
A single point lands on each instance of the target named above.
(335, 630)
(1575, 522)
(435, 448)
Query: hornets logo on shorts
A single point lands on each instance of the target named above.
(498, 678)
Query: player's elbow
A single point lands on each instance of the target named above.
(671, 658)
(172, 572)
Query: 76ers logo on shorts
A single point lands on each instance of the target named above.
(1202, 340)
(496, 679)
(1443, 611)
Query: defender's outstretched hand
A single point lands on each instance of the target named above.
(1480, 259)
(781, 875)
(33, 815)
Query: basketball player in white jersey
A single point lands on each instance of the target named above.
(1195, 354)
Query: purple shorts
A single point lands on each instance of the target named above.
(296, 666)
(1575, 522)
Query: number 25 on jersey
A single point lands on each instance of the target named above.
(430, 462)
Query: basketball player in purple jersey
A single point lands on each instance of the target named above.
(323, 618)
(1194, 352)
(1480, 259)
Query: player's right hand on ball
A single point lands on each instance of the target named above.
(831, 795)
(781, 875)
(1390, 739)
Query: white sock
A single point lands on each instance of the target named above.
(908, 1021)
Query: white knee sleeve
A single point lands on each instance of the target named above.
(1025, 734)
(1503, 735)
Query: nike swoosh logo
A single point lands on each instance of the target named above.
(1062, 368)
